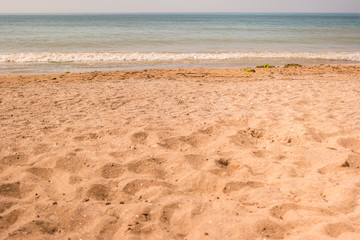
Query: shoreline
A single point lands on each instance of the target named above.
(234, 73)
(181, 154)
(59, 62)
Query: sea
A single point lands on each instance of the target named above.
(56, 43)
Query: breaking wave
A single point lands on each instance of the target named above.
(144, 57)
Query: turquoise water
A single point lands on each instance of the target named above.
(49, 43)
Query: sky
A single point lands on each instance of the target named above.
(128, 6)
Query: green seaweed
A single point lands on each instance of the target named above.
(67, 72)
(265, 66)
(292, 65)
(249, 70)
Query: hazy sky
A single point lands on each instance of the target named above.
(71, 6)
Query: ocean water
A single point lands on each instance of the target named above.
(86, 42)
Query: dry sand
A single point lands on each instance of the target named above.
(181, 154)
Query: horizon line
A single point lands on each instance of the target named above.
(210, 12)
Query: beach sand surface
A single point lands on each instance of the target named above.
(181, 154)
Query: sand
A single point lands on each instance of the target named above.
(181, 154)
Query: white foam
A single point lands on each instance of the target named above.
(139, 57)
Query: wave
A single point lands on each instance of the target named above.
(144, 57)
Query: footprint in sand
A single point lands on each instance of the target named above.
(44, 173)
(112, 170)
(223, 167)
(351, 143)
(167, 212)
(149, 166)
(10, 190)
(140, 228)
(17, 159)
(72, 162)
(98, 192)
(41, 148)
(35, 228)
(236, 186)
(174, 143)
(336, 229)
(260, 153)
(5, 206)
(74, 179)
(228, 167)
(279, 211)
(315, 134)
(139, 137)
(198, 209)
(136, 185)
(208, 131)
(195, 140)
(143, 223)
(9, 219)
(88, 136)
(249, 137)
(195, 160)
(270, 230)
(107, 228)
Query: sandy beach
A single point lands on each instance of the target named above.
(181, 154)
